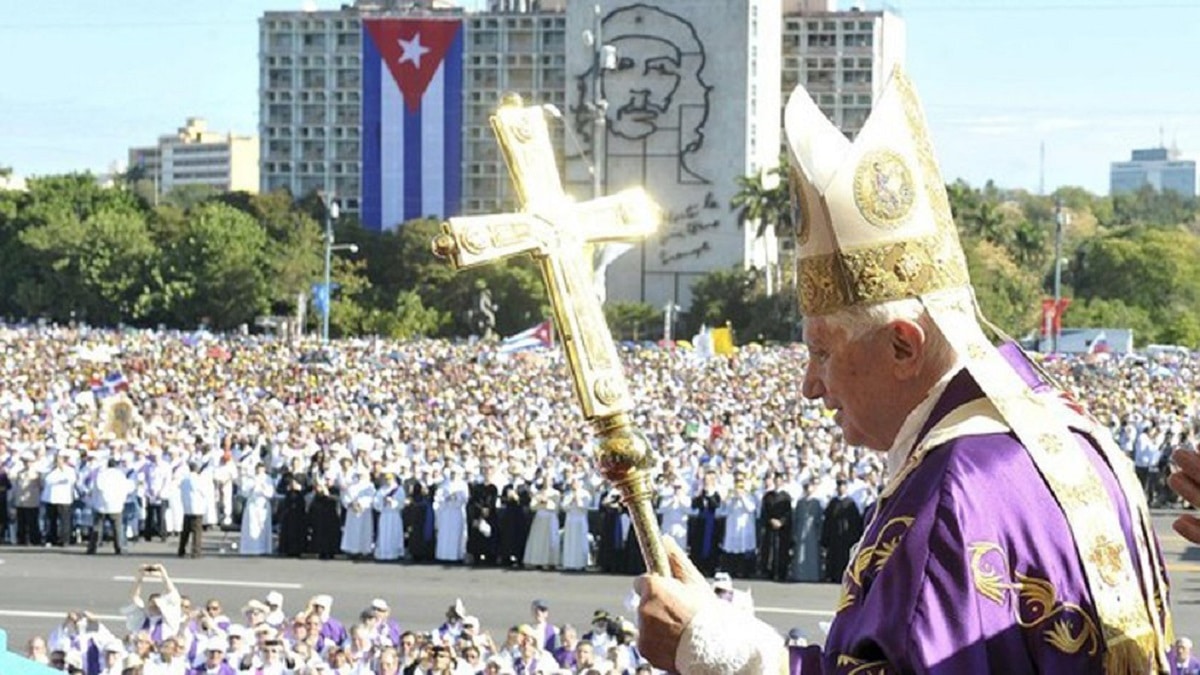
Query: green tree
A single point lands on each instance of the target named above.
(633, 320)
(724, 296)
(1111, 313)
(1008, 295)
(764, 198)
(411, 318)
(216, 271)
(77, 250)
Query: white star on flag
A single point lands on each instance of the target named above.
(413, 50)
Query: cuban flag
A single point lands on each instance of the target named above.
(532, 338)
(412, 112)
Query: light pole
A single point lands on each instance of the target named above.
(331, 213)
(1060, 220)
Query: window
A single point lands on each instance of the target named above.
(313, 41)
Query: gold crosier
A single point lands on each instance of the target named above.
(555, 231)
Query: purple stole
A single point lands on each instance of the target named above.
(523, 669)
(549, 637)
(155, 628)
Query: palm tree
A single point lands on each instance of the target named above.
(770, 207)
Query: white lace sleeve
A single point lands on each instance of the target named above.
(722, 641)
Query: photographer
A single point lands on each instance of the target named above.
(78, 635)
(161, 613)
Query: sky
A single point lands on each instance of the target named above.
(81, 81)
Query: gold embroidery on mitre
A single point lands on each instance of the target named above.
(902, 269)
(883, 189)
(802, 211)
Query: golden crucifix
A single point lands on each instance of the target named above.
(555, 231)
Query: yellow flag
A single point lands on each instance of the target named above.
(722, 341)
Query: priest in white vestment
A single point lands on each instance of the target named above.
(576, 546)
(450, 517)
(675, 509)
(257, 525)
(542, 546)
(389, 501)
(358, 498)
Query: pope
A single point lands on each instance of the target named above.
(1011, 535)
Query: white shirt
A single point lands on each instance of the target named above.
(110, 490)
(58, 486)
(196, 491)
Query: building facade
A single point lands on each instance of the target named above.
(193, 155)
(724, 101)
(1160, 168)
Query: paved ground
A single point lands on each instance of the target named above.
(38, 586)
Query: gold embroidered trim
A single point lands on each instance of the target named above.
(872, 558)
(902, 269)
(861, 666)
(1064, 625)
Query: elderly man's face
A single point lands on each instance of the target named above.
(852, 378)
(640, 89)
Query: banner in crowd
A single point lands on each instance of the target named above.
(411, 120)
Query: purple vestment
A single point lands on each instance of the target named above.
(969, 567)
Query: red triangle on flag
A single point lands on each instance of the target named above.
(543, 333)
(413, 49)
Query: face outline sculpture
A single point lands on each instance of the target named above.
(655, 98)
(641, 88)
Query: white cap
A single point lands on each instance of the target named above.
(379, 604)
(323, 600)
(275, 598)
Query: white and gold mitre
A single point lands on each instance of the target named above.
(873, 217)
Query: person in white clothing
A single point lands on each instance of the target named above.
(256, 513)
(450, 516)
(109, 491)
(58, 493)
(358, 498)
(159, 614)
(389, 502)
(675, 509)
(195, 496)
(172, 495)
(740, 542)
(575, 545)
(225, 474)
(542, 546)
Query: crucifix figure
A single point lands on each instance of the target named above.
(556, 231)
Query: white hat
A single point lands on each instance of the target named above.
(379, 604)
(255, 606)
(275, 598)
(216, 644)
(472, 621)
(323, 600)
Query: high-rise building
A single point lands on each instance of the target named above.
(843, 58)
(193, 155)
(681, 97)
(1160, 168)
(718, 94)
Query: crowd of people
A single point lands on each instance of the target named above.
(168, 633)
(435, 451)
